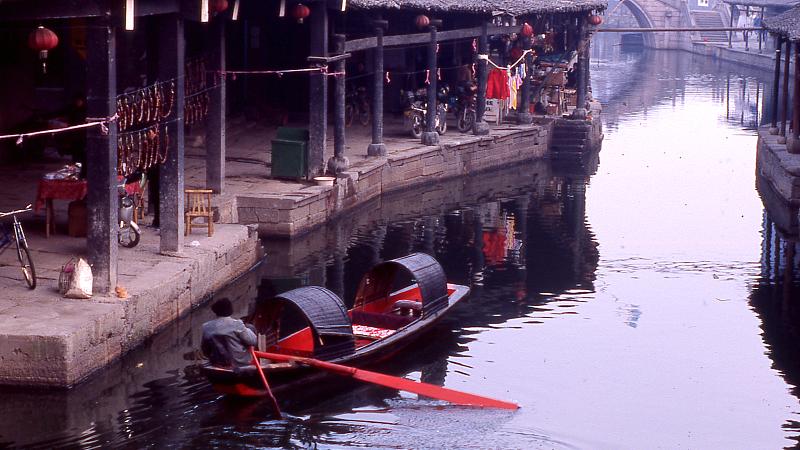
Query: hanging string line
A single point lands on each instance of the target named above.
(93, 122)
(509, 67)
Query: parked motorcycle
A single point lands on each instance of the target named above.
(357, 106)
(417, 111)
(129, 232)
(465, 106)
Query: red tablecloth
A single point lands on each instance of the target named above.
(60, 190)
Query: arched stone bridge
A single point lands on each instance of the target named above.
(659, 14)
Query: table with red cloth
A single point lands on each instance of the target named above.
(50, 190)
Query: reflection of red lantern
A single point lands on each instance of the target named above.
(527, 30)
(422, 21)
(217, 6)
(300, 12)
(42, 40)
(595, 20)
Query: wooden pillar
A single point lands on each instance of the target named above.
(215, 127)
(523, 112)
(760, 33)
(430, 136)
(730, 33)
(785, 92)
(339, 162)
(583, 65)
(101, 156)
(172, 67)
(377, 147)
(481, 127)
(775, 86)
(793, 146)
(318, 91)
(746, 34)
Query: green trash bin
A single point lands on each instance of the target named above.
(290, 153)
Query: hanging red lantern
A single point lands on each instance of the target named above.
(422, 21)
(516, 53)
(42, 40)
(217, 6)
(527, 30)
(300, 12)
(595, 20)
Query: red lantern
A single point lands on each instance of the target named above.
(422, 21)
(516, 53)
(527, 30)
(217, 6)
(300, 12)
(595, 20)
(42, 40)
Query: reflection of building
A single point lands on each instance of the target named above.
(775, 297)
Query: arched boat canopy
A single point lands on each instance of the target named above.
(424, 271)
(325, 313)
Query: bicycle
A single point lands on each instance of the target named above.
(24, 255)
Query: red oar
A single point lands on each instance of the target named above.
(275, 406)
(403, 384)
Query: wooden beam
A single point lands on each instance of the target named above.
(417, 38)
(67, 9)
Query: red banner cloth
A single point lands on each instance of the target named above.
(60, 190)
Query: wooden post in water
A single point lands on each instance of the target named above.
(101, 155)
(794, 145)
(775, 86)
(481, 127)
(785, 92)
(430, 136)
(377, 147)
(339, 162)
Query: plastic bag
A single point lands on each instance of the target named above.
(76, 279)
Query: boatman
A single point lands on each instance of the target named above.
(227, 341)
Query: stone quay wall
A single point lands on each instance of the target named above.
(291, 214)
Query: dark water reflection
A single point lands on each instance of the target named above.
(647, 301)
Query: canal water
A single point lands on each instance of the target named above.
(641, 299)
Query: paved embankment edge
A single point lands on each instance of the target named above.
(59, 342)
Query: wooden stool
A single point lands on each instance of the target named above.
(198, 204)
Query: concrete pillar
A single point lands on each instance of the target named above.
(776, 86)
(172, 67)
(339, 162)
(318, 91)
(430, 136)
(101, 156)
(481, 127)
(793, 146)
(215, 127)
(377, 147)
(785, 92)
(523, 112)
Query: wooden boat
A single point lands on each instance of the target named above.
(395, 303)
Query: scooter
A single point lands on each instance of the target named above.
(129, 232)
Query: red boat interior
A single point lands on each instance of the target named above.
(372, 320)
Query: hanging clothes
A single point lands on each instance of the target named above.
(514, 83)
(497, 84)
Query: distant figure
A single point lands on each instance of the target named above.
(226, 341)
